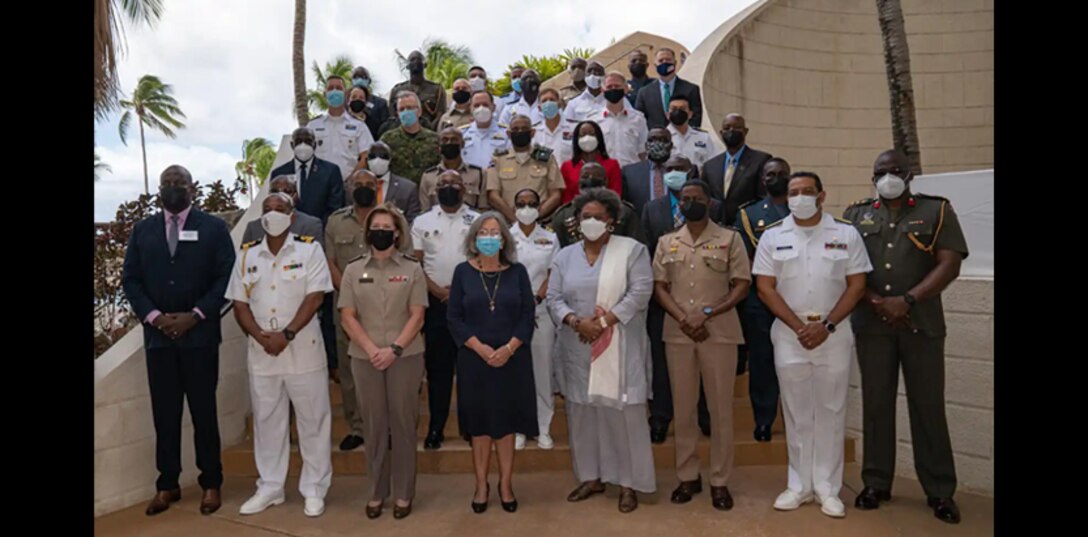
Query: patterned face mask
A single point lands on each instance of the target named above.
(658, 150)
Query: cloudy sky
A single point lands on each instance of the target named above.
(229, 62)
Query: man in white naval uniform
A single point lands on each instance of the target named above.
(810, 272)
(277, 286)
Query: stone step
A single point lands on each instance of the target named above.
(455, 456)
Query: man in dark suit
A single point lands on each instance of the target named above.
(734, 175)
(175, 276)
(377, 108)
(320, 184)
(659, 217)
(303, 224)
(645, 180)
(653, 99)
(402, 192)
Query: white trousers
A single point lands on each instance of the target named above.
(814, 389)
(542, 346)
(272, 397)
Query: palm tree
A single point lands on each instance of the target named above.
(900, 85)
(446, 62)
(109, 44)
(100, 166)
(298, 64)
(577, 52)
(258, 155)
(155, 107)
(342, 66)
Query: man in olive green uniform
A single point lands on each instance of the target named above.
(916, 246)
(413, 148)
(451, 142)
(524, 167)
(566, 224)
(432, 95)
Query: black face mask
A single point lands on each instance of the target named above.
(380, 239)
(733, 138)
(357, 106)
(174, 198)
(694, 211)
(614, 95)
(521, 139)
(450, 151)
(678, 117)
(585, 184)
(461, 96)
(364, 196)
(415, 68)
(449, 196)
(530, 88)
(778, 186)
(638, 70)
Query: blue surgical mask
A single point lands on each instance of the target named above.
(360, 82)
(516, 84)
(335, 98)
(675, 179)
(489, 246)
(550, 109)
(408, 117)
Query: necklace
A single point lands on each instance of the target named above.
(491, 294)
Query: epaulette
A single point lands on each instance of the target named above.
(251, 244)
(696, 128)
(343, 210)
(932, 197)
(747, 203)
(501, 151)
(778, 223)
(504, 125)
(304, 238)
(541, 153)
(429, 170)
(473, 167)
(548, 227)
(354, 259)
(865, 201)
(409, 257)
(466, 126)
(843, 221)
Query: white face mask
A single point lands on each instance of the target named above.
(803, 207)
(588, 143)
(379, 166)
(592, 228)
(890, 186)
(477, 83)
(527, 215)
(275, 223)
(481, 114)
(304, 152)
(594, 81)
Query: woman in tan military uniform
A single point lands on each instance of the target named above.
(383, 296)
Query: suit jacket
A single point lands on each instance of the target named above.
(657, 219)
(322, 192)
(195, 277)
(636, 184)
(649, 103)
(304, 225)
(746, 180)
(405, 195)
(377, 112)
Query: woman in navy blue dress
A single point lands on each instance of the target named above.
(490, 311)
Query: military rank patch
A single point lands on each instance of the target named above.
(251, 270)
(398, 279)
(715, 246)
(787, 247)
(834, 245)
(292, 266)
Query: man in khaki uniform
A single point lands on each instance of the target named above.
(701, 273)
(460, 114)
(432, 96)
(521, 168)
(451, 143)
(577, 84)
(345, 240)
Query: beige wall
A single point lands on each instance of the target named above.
(614, 57)
(809, 77)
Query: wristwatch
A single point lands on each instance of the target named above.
(708, 311)
(830, 326)
(909, 299)
(196, 316)
(397, 349)
(604, 322)
(289, 334)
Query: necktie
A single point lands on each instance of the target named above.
(659, 183)
(172, 234)
(677, 218)
(728, 177)
(381, 185)
(301, 178)
(668, 96)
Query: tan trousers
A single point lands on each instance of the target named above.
(347, 383)
(717, 362)
(390, 402)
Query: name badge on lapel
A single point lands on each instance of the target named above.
(188, 236)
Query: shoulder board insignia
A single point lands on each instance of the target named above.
(693, 127)
(503, 125)
(304, 238)
(354, 259)
(466, 126)
(409, 257)
(501, 152)
(343, 210)
(251, 244)
(747, 203)
(778, 223)
(474, 167)
(865, 201)
(548, 227)
(468, 218)
(843, 221)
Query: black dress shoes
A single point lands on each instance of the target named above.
(870, 498)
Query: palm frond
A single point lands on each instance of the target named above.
(122, 126)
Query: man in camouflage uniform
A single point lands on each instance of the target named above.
(413, 148)
(566, 224)
(916, 246)
(432, 96)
